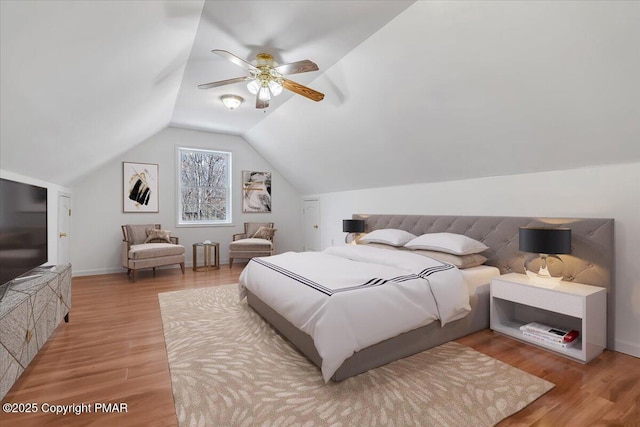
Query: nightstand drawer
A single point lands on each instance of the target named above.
(534, 296)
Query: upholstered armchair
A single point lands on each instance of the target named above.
(148, 246)
(257, 240)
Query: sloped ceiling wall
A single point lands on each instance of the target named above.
(454, 90)
(82, 81)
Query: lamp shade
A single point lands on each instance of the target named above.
(543, 240)
(353, 225)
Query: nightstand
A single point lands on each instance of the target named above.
(516, 301)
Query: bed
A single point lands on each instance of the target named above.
(590, 263)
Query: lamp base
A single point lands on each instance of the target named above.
(544, 270)
(351, 238)
(544, 281)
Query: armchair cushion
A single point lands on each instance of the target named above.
(157, 236)
(250, 245)
(154, 250)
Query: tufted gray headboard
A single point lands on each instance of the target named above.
(591, 261)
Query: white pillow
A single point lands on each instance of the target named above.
(460, 261)
(388, 236)
(450, 243)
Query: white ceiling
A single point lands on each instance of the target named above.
(415, 92)
(289, 30)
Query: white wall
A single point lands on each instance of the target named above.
(53, 190)
(596, 192)
(95, 247)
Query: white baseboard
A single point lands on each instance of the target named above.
(112, 270)
(626, 347)
(96, 272)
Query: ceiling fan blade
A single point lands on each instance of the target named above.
(302, 90)
(223, 82)
(303, 66)
(260, 103)
(231, 57)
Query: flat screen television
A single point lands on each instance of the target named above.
(23, 228)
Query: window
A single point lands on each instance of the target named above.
(204, 187)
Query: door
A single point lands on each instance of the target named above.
(64, 227)
(311, 223)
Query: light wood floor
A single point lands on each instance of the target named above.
(113, 350)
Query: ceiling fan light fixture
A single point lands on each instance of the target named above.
(253, 86)
(231, 101)
(275, 87)
(264, 94)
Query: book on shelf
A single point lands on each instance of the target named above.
(551, 333)
(543, 335)
(546, 340)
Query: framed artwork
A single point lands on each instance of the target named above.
(140, 187)
(256, 192)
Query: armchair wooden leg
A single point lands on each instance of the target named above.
(135, 275)
(128, 272)
(154, 272)
(230, 262)
(182, 267)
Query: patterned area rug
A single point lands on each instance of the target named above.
(230, 368)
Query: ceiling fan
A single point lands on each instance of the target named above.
(266, 78)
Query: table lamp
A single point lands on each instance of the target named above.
(352, 226)
(545, 267)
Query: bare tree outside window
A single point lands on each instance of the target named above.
(205, 187)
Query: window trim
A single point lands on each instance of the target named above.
(178, 195)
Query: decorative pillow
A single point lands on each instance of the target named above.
(388, 236)
(450, 243)
(265, 233)
(252, 227)
(154, 236)
(460, 261)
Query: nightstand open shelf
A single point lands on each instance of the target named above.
(509, 310)
(515, 301)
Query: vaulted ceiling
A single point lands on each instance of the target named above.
(415, 92)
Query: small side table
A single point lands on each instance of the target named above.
(208, 265)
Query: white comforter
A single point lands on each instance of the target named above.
(350, 297)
